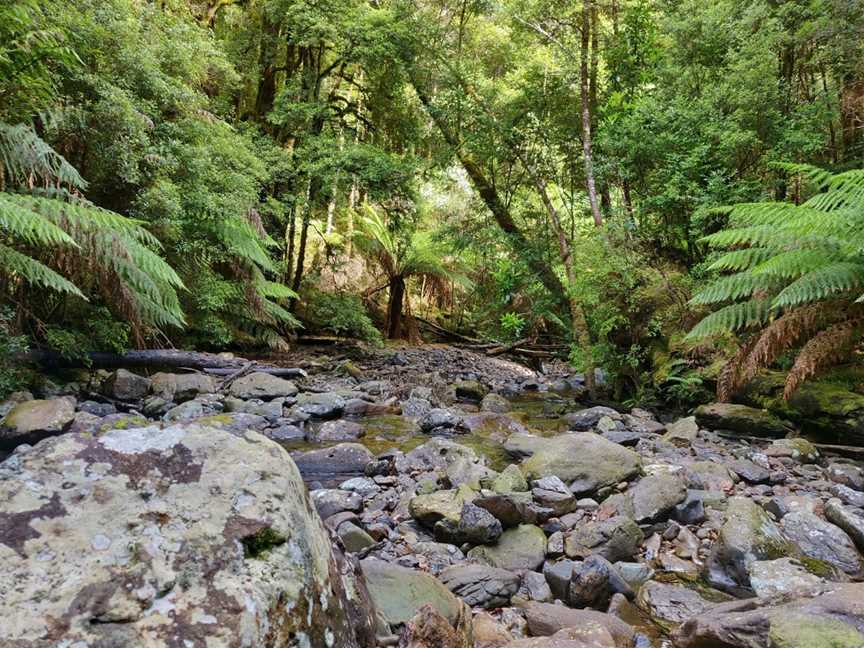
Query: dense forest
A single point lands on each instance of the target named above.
(431, 324)
(664, 189)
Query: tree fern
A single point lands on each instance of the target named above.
(65, 244)
(788, 258)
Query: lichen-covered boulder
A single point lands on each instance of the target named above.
(183, 536)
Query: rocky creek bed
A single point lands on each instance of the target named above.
(421, 497)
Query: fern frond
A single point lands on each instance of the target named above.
(824, 282)
(33, 272)
(732, 318)
(735, 287)
(26, 225)
(744, 259)
(826, 348)
(26, 156)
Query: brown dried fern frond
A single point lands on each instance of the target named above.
(729, 379)
(826, 348)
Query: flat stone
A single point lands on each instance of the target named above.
(588, 418)
(263, 386)
(522, 547)
(333, 465)
(783, 577)
(671, 603)
(340, 430)
(398, 592)
(847, 474)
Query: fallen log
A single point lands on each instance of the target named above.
(506, 348)
(216, 364)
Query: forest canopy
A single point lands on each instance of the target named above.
(669, 190)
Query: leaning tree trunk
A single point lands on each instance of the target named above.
(394, 308)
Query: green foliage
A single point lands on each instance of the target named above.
(806, 281)
(512, 325)
(340, 313)
(12, 376)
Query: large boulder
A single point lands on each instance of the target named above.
(584, 460)
(748, 534)
(34, 420)
(741, 419)
(848, 518)
(143, 536)
(262, 385)
(834, 619)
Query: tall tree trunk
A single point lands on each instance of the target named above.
(394, 307)
(586, 112)
(314, 188)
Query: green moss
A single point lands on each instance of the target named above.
(799, 630)
(259, 544)
(818, 567)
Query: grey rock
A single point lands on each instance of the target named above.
(671, 603)
(593, 583)
(748, 534)
(534, 587)
(319, 406)
(522, 547)
(230, 557)
(481, 585)
(655, 496)
(439, 420)
(822, 540)
(495, 403)
(340, 430)
(333, 465)
(125, 385)
(330, 501)
(848, 518)
(585, 461)
(588, 418)
(552, 493)
(263, 386)
(181, 387)
(783, 577)
(354, 538)
(33, 420)
(475, 526)
(617, 538)
(558, 576)
(849, 496)
(847, 474)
